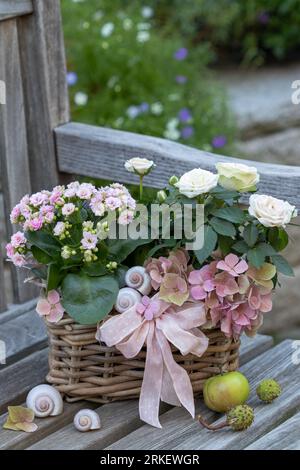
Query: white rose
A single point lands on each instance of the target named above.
(197, 182)
(140, 166)
(237, 176)
(270, 211)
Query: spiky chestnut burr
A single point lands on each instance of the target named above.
(238, 418)
(268, 390)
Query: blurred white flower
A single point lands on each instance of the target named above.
(85, 25)
(81, 98)
(78, 1)
(143, 36)
(107, 29)
(172, 123)
(119, 122)
(98, 15)
(112, 81)
(147, 12)
(127, 24)
(174, 97)
(172, 134)
(143, 26)
(132, 112)
(157, 108)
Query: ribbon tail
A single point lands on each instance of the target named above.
(168, 394)
(152, 382)
(181, 381)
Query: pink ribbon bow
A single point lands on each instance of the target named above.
(163, 379)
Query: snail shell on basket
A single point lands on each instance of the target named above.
(127, 298)
(138, 278)
(45, 401)
(87, 420)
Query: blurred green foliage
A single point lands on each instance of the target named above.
(247, 31)
(128, 72)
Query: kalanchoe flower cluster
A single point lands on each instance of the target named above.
(56, 212)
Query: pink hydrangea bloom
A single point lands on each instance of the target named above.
(50, 307)
(89, 241)
(233, 265)
(149, 308)
(225, 284)
(259, 301)
(18, 240)
(174, 289)
(202, 281)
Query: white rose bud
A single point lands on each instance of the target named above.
(196, 182)
(270, 211)
(139, 166)
(237, 176)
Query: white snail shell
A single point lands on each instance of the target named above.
(87, 420)
(45, 401)
(139, 279)
(127, 298)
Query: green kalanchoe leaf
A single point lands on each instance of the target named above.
(89, 299)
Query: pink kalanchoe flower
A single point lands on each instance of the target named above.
(36, 224)
(59, 229)
(126, 217)
(202, 281)
(38, 199)
(10, 250)
(18, 260)
(89, 241)
(233, 265)
(113, 203)
(18, 240)
(15, 214)
(68, 209)
(85, 191)
(150, 309)
(50, 307)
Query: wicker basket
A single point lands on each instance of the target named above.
(81, 368)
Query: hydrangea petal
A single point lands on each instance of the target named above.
(43, 307)
(53, 297)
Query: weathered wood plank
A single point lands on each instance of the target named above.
(13, 143)
(17, 379)
(2, 285)
(23, 335)
(15, 311)
(45, 89)
(20, 440)
(118, 420)
(180, 432)
(284, 437)
(13, 8)
(100, 152)
(253, 347)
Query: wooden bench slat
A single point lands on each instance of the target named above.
(20, 440)
(119, 419)
(15, 174)
(16, 380)
(101, 153)
(23, 335)
(2, 285)
(16, 310)
(284, 437)
(180, 432)
(13, 8)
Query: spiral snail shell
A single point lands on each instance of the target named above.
(137, 278)
(87, 420)
(127, 298)
(45, 401)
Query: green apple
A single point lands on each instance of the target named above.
(224, 391)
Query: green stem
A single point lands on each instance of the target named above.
(141, 187)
